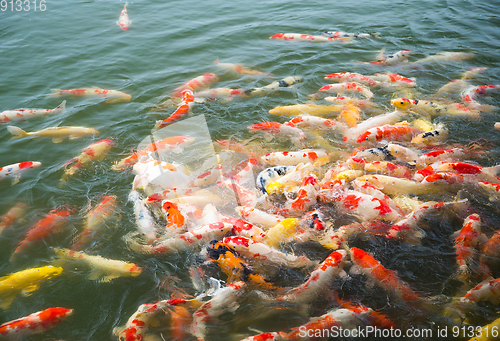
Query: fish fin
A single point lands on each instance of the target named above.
(375, 35)
(107, 279)
(55, 93)
(5, 302)
(380, 55)
(61, 106)
(16, 132)
(57, 139)
(29, 289)
(96, 275)
(16, 179)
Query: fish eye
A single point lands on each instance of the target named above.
(402, 102)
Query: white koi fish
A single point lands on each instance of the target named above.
(15, 170)
(348, 88)
(340, 34)
(102, 269)
(24, 114)
(57, 134)
(124, 22)
(445, 57)
(143, 218)
(111, 96)
(294, 158)
(259, 217)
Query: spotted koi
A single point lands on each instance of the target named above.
(24, 114)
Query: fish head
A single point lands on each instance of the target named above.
(402, 103)
(366, 136)
(133, 270)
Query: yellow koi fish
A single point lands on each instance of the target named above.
(57, 134)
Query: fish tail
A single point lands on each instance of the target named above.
(16, 132)
(55, 93)
(375, 35)
(61, 107)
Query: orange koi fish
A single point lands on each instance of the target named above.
(173, 143)
(182, 110)
(384, 277)
(111, 96)
(15, 170)
(94, 152)
(180, 320)
(174, 215)
(24, 114)
(307, 38)
(348, 88)
(400, 132)
(51, 223)
(15, 213)
(94, 221)
(124, 22)
(34, 323)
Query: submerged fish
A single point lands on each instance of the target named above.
(124, 22)
(340, 34)
(111, 96)
(24, 114)
(57, 134)
(308, 38)
(15, 170)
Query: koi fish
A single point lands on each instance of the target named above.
(281, 232)
(391, 59)
(12, 215)
(244, 228)
(182, 110)
(276, 85)
(16, 169)
(226, 94)
(435, 109)
(259, 217)
(471, 94)
(278, 129)
(294, 158)
(396, 186)
(111, 96)
(308, 38)
(306, 109)
(102, 269)
(173, 143)
(441, 155)
(456, 86)
(384, 277)
(340, 34)
(398, 132)
(482, 173)
(350, 115)
(94, 221)
(466, 243)
(348, 88)
(435, 136)
(138, 324)
(308, 121)
(94, 152)
(367, 207)
(237, 68)
(25, 282)
(182, 242)
(34, 323)
(174, 215)
(384, 119)
(180, 320)
(388, 168)
(24, 114)
(342, 77)
(393, 79)
(57, 134)
(270, 175)
(196, 84)
(51, 223)
(319, 280)
(446, 56)
(124, 22)
(488, 290)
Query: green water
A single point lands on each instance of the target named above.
(77, 44)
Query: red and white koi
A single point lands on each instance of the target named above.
(308, 121)
(279, 129)
(95, 220)
(471, 95)
(340, 34)
(463, 168)
(138, 324)
(368, 188)
(393, 80)
(294, 158)
(15, 170)
(188, 240)
(244, 229)
(34, 323)
(388, 168)
(24, 114)
(124, 21)
(366, 206)
(14, 214)
(319, 280)
(57, 134)
(493, 189)
(196, 84)
(351, 88)
(435, 109)
(399, 132)
(153, 176)
(488, 290)
(93, 153)
(154, 150)
(53, 222)
(444, 155)
(306, 195)
(111, 96)
(240, 69)
(342, 77)
(372, 122)
(308, 38)
(259, 217)
(384, 277)
(102, 269)
(182, 110)
(467, 242)
(391, 59)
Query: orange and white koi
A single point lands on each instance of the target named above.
(259, 217)
(24, 281)
(24, 114)
(471, 95)
(441, 155)
(445, 56)
(308, 121)
(94, 152)
(435, 109)
(435, 136)
(188, 240)
(395, 186)
(154, 150)
(340, 34)
(306, 109)
(174, 216)
(182, 110)
(394, 80)
(366, 206)
(143, 218)
(466, 244)
(481, 173)
(196, 84)
(493, 189)
(294, 158)
(488, 290)
(96, 217)
(319, 280)
(102, 269)
(279, 129)
(111, 96)
(350, 115)
(53, 222)
(306, 195)
(124, 21)
(368, 188)
(138, 324)
(308, 38)
(16, 169)
(352, 88)
(372, 122)
(34, 323)
(244, 229)
(388, 168)
(57, 134)
(9, 218)
(240, 69)
(391, 59)
(384, 277)
(399, 132)
(342, 77)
